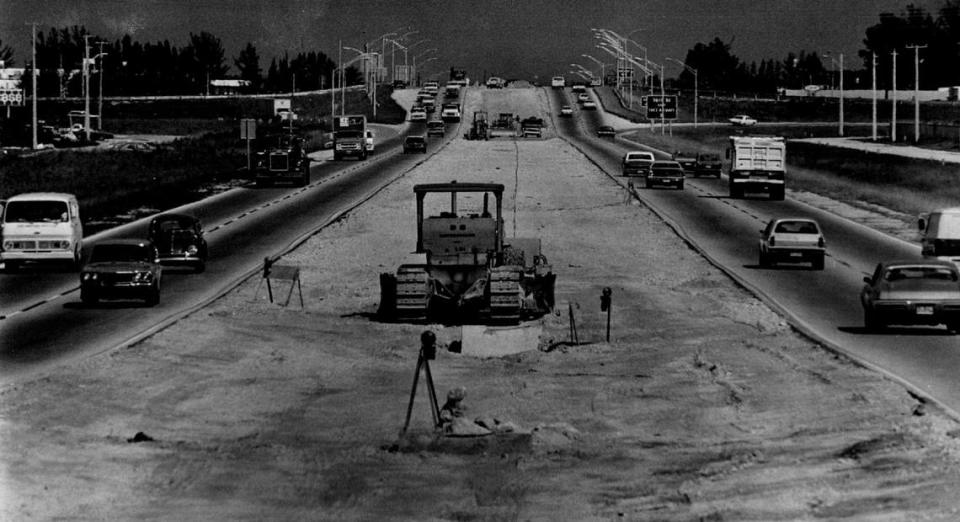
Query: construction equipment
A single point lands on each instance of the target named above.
(505, 126)
(463, 269)
(480, 129)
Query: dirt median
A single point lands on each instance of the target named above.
(703, 405)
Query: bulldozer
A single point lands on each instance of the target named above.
(464, 271)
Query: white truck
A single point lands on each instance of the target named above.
(940, 234)
(757, 164)
(558, 82)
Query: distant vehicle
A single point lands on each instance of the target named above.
(371, 141)
(431, 87)
(636, 163)
(589, 105)
(429, 104)
(578, 88)
(41, 227)
(742, 120)
(531, 127)
(179, 240)
(558, 82)
(349, 137)
(925, 292)
(665, 173)
(566, 111)
(495, 82)
(418, 113)
(415, 144)
(606, 131)
(583, 97)
(792, 240)
(436, 128)
(450, 112)
(121, 269)
(283, 160)
(940, 235)
(687, 160)
(757, 164)
(452, 90)
(708, 164)
(459, 76)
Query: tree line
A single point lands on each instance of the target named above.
(134, 68)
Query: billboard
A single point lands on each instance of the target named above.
(11, 97)
(661, 107)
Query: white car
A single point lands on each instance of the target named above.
(792, 240)
(495, 82)
(566, 111)
(558, 82)
(742, 120)
(583, 97)
(418, 114)
(589, 105)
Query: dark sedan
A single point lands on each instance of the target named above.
(121, 269)
(415, 144)
(179, 240)
(925, 292)
(606, 131)
(665, 174)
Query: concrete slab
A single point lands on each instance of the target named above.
(495, 341)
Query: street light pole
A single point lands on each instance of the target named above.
(873, 75)
(893, 116)
(33, 81)
(695, 94)
(916, 90)
(100, 97)
(86, 86)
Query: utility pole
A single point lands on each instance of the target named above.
(893, 117)
(873, 71)
(916, 90)
(841, 94)
(33, 82)
(86, 86)
(100, 98)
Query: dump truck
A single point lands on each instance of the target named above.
(463, 270)
(757, 164)
(282, 160)
(349, 137)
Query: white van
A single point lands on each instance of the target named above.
(41, 226)
(940, 234)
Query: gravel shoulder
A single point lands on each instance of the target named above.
(703, 405)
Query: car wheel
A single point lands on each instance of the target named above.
(153, 295)
(680, 186)
(777, 194)
(11, 266)
(200, 267)
(763, 260)
(870, 321)
(818, 262)
(88, 297)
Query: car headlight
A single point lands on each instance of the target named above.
(89, 276)
(8, 245)
(143, 277)
(192, 250)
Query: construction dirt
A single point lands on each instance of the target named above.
(703, 405)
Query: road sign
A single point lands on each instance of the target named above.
(661, 107)
(11, 97)
(248, 129)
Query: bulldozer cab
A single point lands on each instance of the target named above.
(457, 233)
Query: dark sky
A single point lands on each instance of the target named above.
(511, 38)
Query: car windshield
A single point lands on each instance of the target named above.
(415, 140)
(349, 134)
(123, 253)
(797, 227)
(709, 157)
(908, 273)
(36, 212)
(666, 171)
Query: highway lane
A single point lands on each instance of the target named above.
(36, 283)
(249, 224)
(822, 303)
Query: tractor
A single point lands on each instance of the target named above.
(480, 130)
(463, 269)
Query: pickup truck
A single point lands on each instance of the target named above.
(532, 126)
(450, 112)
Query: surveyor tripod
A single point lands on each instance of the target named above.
(428, 351)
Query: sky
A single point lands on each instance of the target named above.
(529, 39)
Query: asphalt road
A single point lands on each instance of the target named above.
(823, 303)
(45, 324)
